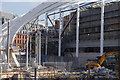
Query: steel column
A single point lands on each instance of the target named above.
(30, 47)
(27, 49)
(40, 48)
(60, 32)
(8, 43)
(77, 31)
(102, 29)
(36, 47)
(46, 41)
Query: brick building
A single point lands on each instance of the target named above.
(21, 38)
(20, 41)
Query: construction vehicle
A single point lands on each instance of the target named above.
(107, 60)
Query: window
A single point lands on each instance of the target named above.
(18, 41)
(15, 41)
(23, 36)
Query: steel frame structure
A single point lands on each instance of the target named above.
(78, 9)
(17, 23)
(61, 28)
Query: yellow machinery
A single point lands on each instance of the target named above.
(102, 59)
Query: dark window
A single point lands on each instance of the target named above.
(15, 41)
(22, 36)
(18, 41)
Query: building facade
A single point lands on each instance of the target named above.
(90, 26)
(20, 41)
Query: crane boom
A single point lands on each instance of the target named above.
(102, 59)
(104, 56)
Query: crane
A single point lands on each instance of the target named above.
(102, 59)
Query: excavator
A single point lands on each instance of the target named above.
(102, 59)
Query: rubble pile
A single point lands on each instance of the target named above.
(100, 72)
(92, 74)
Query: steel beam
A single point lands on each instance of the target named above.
(68, 23)
(61, 12)
(52, 23)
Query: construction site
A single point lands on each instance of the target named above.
(62, 40)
